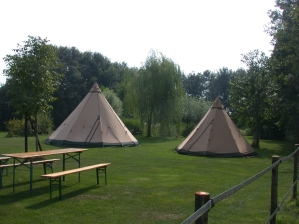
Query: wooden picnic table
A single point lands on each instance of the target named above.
(25, 157)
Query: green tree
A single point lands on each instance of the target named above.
(249, 93)
(220, 86)
(194, 84)
(7, 112)
(284, 29)
(32, 80)
(193, 110)
(159, 89)
(127, 92)
(113, 100)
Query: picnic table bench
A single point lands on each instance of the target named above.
(47, 163)
(4, 160)
(57, 175)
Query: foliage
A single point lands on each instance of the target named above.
(159, 90)
(113, 100)
(45, 123)
(193, 110)
(284, 29)
(31, 76)
(208, 85)
(128, 93)
(14, 126)
(250, 93)
(32, 79)
(132, 124)
(7, 112)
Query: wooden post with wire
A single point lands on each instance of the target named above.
(200, 199)
(295, 172)
(274, 186)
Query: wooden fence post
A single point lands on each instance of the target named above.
(274, 185)
(295, 172)
(200, 199)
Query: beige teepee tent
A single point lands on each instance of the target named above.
(216, 135)
(92, 124)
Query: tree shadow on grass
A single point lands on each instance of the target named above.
(269, 148)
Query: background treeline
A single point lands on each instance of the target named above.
(159, 99)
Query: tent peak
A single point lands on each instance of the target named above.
(217, 103)
(95, 88)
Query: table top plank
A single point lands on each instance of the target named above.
(24, 155)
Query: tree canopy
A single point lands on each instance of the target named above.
(159, 89)
(32, 77)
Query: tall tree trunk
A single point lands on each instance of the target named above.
(149, 125)
(35, 129)
(256, 138)
(26, 133)
(36, 133)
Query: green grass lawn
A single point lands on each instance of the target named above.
(148, 184)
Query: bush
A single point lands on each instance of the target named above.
(45, 123)
(187, 128)
(246, 132)
(14, 127)
(132, 124)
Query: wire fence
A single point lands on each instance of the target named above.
(211, 203)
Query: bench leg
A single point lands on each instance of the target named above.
(104, 171)
(105, 176)
(45, 172)
(60, 189)
(1, 171)
(50, 188)
(48, 165)
(51, 181)
(97, 173)
(14, 174)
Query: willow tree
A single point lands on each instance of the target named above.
(159, 91)
(32, 80)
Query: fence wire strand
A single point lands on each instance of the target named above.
(238, 187)
(279, 206)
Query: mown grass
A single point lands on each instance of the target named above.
(148, 184)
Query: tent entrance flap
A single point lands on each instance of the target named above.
(93, 129)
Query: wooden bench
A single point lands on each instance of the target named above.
(47, 163)
(4, 160)
(57, 176)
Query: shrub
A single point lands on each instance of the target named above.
(132, 124)
(246, 132)
(45, 123)
(14, 127)
(187, 128)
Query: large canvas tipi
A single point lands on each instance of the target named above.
(93, 123)
(216, 135)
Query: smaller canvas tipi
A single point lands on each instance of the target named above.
(216, 135)
(92, 124)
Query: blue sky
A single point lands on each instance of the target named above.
(197, 35)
